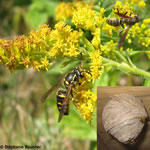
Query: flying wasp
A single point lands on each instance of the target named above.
(128, 20)
(124, 19)
(70, 81)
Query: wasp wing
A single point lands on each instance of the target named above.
(65, 103)
(121, 41)
(51, 90)
(122, 15)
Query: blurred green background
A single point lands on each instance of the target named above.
(24, 119)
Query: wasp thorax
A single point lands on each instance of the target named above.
(73, 77)
(124, 117)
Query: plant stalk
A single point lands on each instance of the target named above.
(125, 67)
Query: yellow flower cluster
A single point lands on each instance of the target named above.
(109, 48)
(39, 47)
(84, 17)
(130, 3)
(65, 41)
(64, 11)
(96, 64)
(141, 32)
(123, 8)
(85, 99)
(141, 4)
(96, 38)
(86, 103)
(24, 52)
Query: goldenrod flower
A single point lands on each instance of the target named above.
(45, 64)
(26, 61)
(123, 8)
(36, 65)
(24, 52)
(141, 4)
(64, 11)
(85, 102)
(109, 48)
(118, 4)
(102, 10)
(84, 99)
(65, 41)
(141, 32)
(96, 38)
(84, 17)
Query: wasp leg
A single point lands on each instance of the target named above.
(122, 24)
(71, 93)
(123, 37)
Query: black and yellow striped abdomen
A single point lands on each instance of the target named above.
(114, 21)
(60, 99)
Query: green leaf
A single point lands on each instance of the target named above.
(39, 12)
(36, 18)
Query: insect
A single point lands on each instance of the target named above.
(124, 19)
(70, 81)
(128, 20)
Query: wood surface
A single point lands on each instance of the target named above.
(106, 141)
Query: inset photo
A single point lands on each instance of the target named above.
(123, 121)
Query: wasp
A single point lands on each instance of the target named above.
(63, 96)
(124, 19)
(128, 20)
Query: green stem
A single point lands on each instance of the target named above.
(120, 56)
(129, 60)
(125, 67)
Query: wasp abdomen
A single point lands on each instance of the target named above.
(60, 99)
(114, 21)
